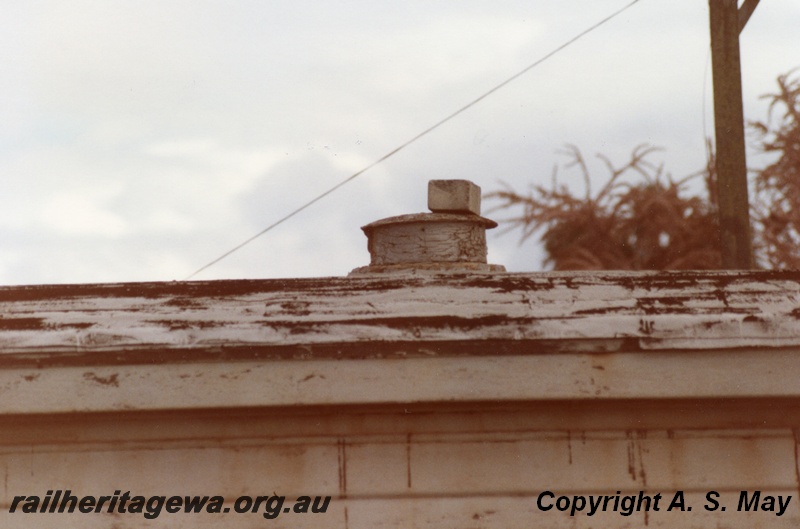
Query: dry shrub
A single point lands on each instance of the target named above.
(776, 205)
(648, 225)
(651, 224)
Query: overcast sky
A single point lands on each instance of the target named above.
(139, 140)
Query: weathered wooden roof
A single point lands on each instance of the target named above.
(571, 330)
(382, 316)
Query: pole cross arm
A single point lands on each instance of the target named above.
(745, 12)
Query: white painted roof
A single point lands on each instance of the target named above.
(559, 311)
(400, 340)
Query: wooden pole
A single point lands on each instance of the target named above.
(734, 214)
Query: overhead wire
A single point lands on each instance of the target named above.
(415, 138)
(706, 70)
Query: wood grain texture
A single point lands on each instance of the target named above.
(399, 315)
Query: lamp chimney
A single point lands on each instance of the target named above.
(452, 238)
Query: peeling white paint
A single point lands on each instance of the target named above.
(656, 311)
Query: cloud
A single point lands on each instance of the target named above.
(141, 140)
(80, 214)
